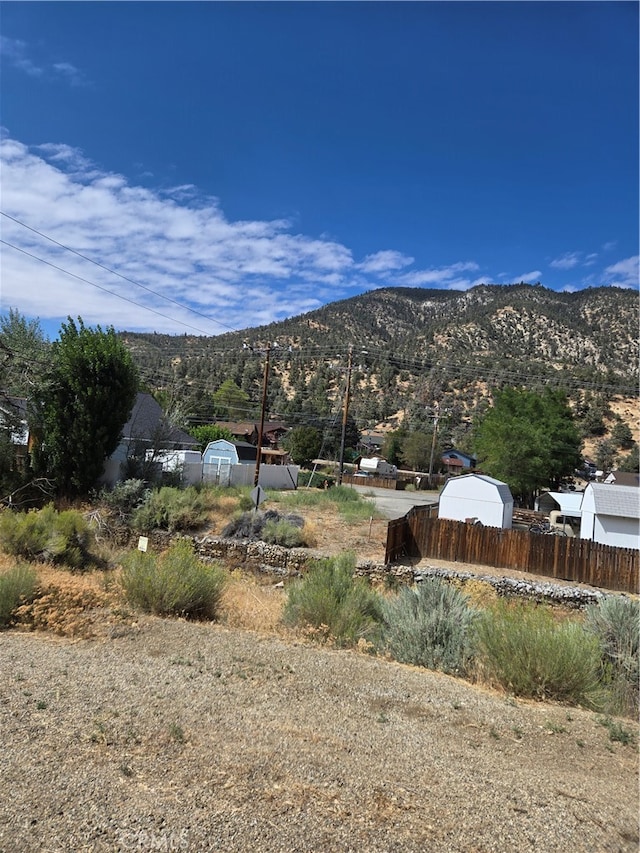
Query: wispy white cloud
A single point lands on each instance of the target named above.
(174, 243)
(566, 262)
(182, 251)
(441, 277)
(16, 52)
(385, 261)
(610, 246)
(529, 277)
(71, 73)
(623, 273)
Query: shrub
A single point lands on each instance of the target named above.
(342, 608)
(430, 625)
(531, 654)
(282, 533)
(176, 583)
(315, 479)
(615, 622)
(126, 496)
(64, 538)
(169, 508)
(17, 586)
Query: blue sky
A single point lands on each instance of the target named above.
(252, 161)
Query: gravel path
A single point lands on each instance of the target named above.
(176, 736)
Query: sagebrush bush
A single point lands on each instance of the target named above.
(282, 533)
(430, 625)
(169, 508)
(173, 584)
(343, 608)
(125, 496)
(531, 654)
(64, 538)
(17, 586)
(615, 622)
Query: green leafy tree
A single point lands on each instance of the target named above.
(303, 444)
(23, 360)
(85, 401)
(333, 437)
(416, 451)
(605, 453)
(621, 435)
(528, 440)
(209, 432)
(232, 402)
(631, 462)
(23, 354)
(392, 446)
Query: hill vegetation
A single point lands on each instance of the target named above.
(412, 348)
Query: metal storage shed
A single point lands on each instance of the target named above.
(477, 497)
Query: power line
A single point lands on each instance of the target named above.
(115, 272)
(100, 287)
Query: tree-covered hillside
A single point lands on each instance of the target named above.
(412, 348)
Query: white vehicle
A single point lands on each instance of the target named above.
(561, 523)
(378, 467)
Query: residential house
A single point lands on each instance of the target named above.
(477, 498)
(455, 461)
(145, 434)
(249, 431)
(623, 478)
(371, 443)
(610, 515)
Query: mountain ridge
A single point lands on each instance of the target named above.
(412, 347)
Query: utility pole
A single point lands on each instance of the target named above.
(436, 417)
(265, 383)
(345, 415)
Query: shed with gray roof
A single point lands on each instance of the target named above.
(476, 497)
(611, 515)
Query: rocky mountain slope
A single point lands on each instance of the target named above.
(411, 346)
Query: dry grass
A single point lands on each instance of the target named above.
(221, 515)
(246, 604)
(70, 605)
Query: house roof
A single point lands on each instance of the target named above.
(372, 438)
(623, 478)
(249, 427)
(503, 490)
(621, 501)
(246, 450)
(568, 502)
(452, 453)
(147, 423)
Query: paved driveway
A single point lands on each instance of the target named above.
(394, 504)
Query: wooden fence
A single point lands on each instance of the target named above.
(421, 534)
(372, 482)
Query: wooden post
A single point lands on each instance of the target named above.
(265, 383)
(345, 415)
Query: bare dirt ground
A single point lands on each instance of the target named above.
(126, 732)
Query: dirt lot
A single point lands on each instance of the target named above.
(166, 735)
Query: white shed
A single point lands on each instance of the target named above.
(611, 515)
(478, 497)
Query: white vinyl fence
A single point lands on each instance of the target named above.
(271, 476)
